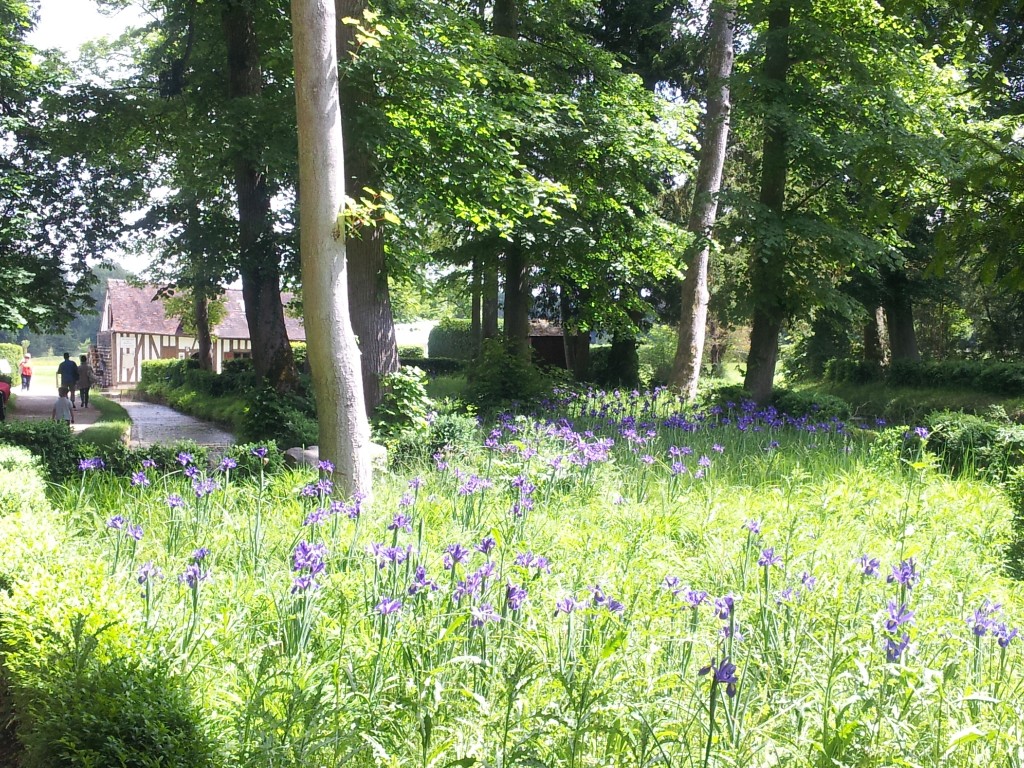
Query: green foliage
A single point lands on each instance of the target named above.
(1002, 378)
(121, 459)
(815, 404)
(52, 441)
(21, 480)
(13, 354)
(451, 338)
(434, 366)
(287, 419)
(501, 378)
(656, 352)
(404, 405)
(449, 432)
(251, 464)
(1013, 486)
(301, 354)
(411, 350)
(853, 371)
(967, 442)
(80, 710)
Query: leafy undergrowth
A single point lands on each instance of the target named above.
(910, 404)
(607, 583)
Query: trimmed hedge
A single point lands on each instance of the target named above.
(995, 378)
(434, 366)
(13, 354)
(452, 338)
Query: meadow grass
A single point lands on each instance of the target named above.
(112, 426)
(607, 582)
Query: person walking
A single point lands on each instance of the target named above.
(26, 372)
(67, 376)
(62, 408)
(86, 378)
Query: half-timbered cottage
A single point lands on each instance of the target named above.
(134, 328)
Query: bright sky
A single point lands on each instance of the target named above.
(66, 24)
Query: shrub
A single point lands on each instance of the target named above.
(404, 404)
(501, 377)
(656, 352)
(51, 441)
(982, 375)
(170, 372)
(411, 350)
(122, 460)
(434, 366)
(250, 464)
(12, 353)
(81, 710)
(451, 433)
(811, 403)
(301, 353)
(850, 371)
(287, 419)
(451, 338)
(20, 480)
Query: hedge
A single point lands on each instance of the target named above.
(993, 377)
(451, 338)
(13, 354)
(434, 366)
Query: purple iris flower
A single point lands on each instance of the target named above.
(421, 582)
(86, 464)
(1004, 635)
(869, 566)
(134, 532)
(192, 575)
(515, 596)
(139, 480)
(724, 606)
(809, 581)
(486, 545)
(388, 606)
(723, 673)
(117, 522)
(185, 459)
(898, 616)
(174, 501)
(566, 605)
(894, 648)
(768, 558)
(454, 554)
(754, 526)
(324, 465)
(905, 573)
(198, 555)
(304, 583)
(149, 571)
(482, 614)
(260, 451)
(984, 618)
(400, 522)
(308, 557)
(228, 463)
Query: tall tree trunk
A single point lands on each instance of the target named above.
(333, 351)
(490, 297)
(476, 287)
(876, 352)
(899, 312)
(259, 264)
(769, 258)
(368, 293)
(517, 300)
(695, 295)
(204, 339)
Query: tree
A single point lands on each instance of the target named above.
(369, 294)
(694, 293)
(333, 352)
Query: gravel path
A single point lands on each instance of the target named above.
(151, 423)
(37, 404)
(155, 424)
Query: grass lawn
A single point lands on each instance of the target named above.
(111, 428)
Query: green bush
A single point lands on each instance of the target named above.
(301, 353)
(451, 433)
(404, 404)
(52, 441)
(251, 463)
(656, 352)
(981, 375)
(411, 350)
(500, 378)
(20, 480)
(122, 460)
(78, 709)
(850, 371)
(451, 338)
(968, 442)
(12, 353)
(287, 419)
(815, 404)
(434, 366)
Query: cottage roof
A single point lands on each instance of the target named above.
(136, 309)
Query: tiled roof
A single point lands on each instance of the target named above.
(135, 309)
